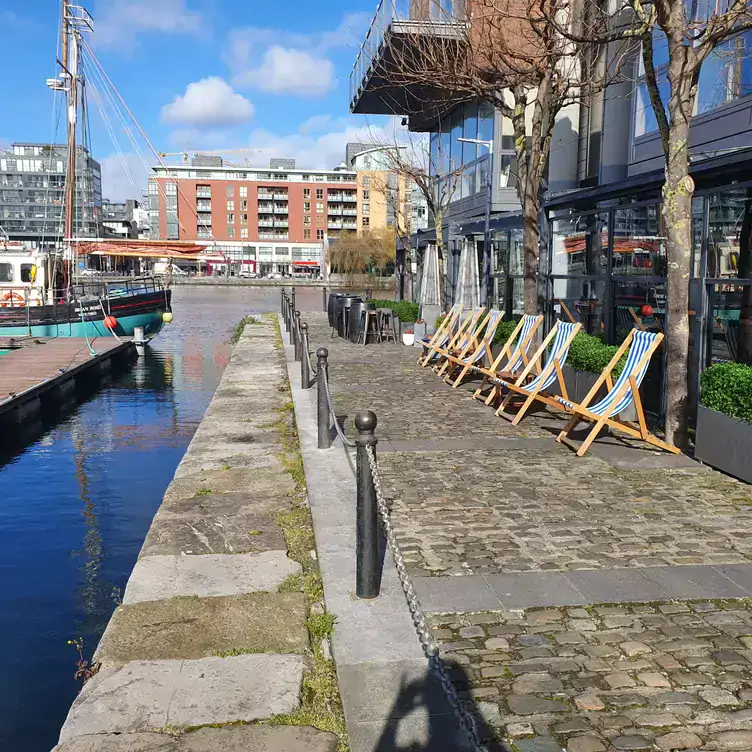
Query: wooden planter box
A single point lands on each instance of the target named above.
(724, 442)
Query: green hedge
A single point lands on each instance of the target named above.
(589, 354)
(727, 388)
(404, 310)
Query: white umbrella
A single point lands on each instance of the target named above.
(430, 294)
(468, 286)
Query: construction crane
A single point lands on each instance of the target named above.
(185, 155)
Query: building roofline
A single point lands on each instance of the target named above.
(252, 168)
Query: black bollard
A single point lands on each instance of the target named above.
(323, 292)
(282, 300)
(305, 371)
(322, 374)
(367, 517)
(298, 339)
(291, 326)
(292, 298)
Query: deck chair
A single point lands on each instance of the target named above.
(464, 338)
(483, 350)
(441, 336)
(621, 394)
(510, 362)
(559, 338)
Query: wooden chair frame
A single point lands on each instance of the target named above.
(520, 351)
(468, 330)
(518, 388)
(581, 411)
(447, 325)
(467, 362)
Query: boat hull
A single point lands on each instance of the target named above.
(87, 319)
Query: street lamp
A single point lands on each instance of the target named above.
(487, 286)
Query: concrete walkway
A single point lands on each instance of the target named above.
(204, 637)
(587, 604)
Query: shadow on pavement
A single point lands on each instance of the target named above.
(421, 719)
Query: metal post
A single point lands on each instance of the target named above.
(323, 291)
(367, 519)
(322, 371)
(291, 326)
(292, 299)
(282, 299)
(305, 373)
(296, 336)
(284, 309)
(486, 296)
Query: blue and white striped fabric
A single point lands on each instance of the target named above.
(454, 311)
(640, 344)
(494, 319)
(559, 350)
(516, 363)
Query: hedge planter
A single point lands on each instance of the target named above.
(724, 442)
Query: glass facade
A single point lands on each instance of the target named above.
(32, 191)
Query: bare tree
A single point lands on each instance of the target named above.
(408, 157)
(509, 54)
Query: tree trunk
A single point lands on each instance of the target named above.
(530, 244)
(677, 214)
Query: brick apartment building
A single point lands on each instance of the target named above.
(270, 220)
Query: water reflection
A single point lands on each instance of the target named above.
(75, 505)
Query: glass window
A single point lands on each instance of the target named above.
(243, 191)
(306, 193)
(319, 193)
(469, 181)
(366, 181)
(580, 245)
(645, 120)
(470, 130)
(229, 191)
(730, 233)
(485, 122)
(6, 272)
(726, 74)
(319, 234)
(456, 145)
(26, 270)
(639, 243)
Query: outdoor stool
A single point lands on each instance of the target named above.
(370, 321)
(386, 324)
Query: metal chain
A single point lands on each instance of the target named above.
(345, 441)
(427, 641)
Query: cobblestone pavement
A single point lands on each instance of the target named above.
(528, 503)
(666, 676)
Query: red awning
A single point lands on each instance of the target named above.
(144, 248)
(305, 263)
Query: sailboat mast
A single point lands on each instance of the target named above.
(70, 62)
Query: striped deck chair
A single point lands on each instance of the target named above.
(621, 394)
(463, 339)
(469, 362)
(510, 362)
(562, 334)
(441, 337)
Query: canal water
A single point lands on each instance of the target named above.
(76, 504)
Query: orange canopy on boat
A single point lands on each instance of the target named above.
(139, 248)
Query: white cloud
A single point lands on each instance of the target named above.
(290, 71)
(283, 62)
(118, 23)
(315, 123)
(123, 177)
(209, 103)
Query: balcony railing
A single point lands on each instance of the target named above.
(335, 224)
(349, 212)
(437, 17)
(335, 210)
(349, 197)
(281, 209)
(266, 223)
(266, 208)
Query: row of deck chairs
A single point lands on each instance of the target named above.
(523, 373)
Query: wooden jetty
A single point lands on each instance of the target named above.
(45, 375)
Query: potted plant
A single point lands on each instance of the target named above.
(724, 419)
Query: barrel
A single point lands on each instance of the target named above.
(343, 318)
(357, 307)
(331, 306)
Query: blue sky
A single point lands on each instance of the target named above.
(197, 74)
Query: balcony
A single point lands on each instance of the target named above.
(266, 223)
(280, 196)
(348, 212)
(350, 197)
(337, 210)
(266, 208)
(280, 222)
(403, 30)
(203, 206)
(334, 196)
(349, 225)
(335, 224)
(281, 209)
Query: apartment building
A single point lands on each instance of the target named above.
(32, 189)
(270, 220)
(603, 249)
(387, 199)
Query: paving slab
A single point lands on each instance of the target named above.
(147, 695)
(531, 589)
(263, 481)
(217, 524)
(160, 577)
(695, 582)
(615, 586)
(469, 593)
(227, 739)
(200, 627)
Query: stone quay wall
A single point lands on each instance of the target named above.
(219, 642)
